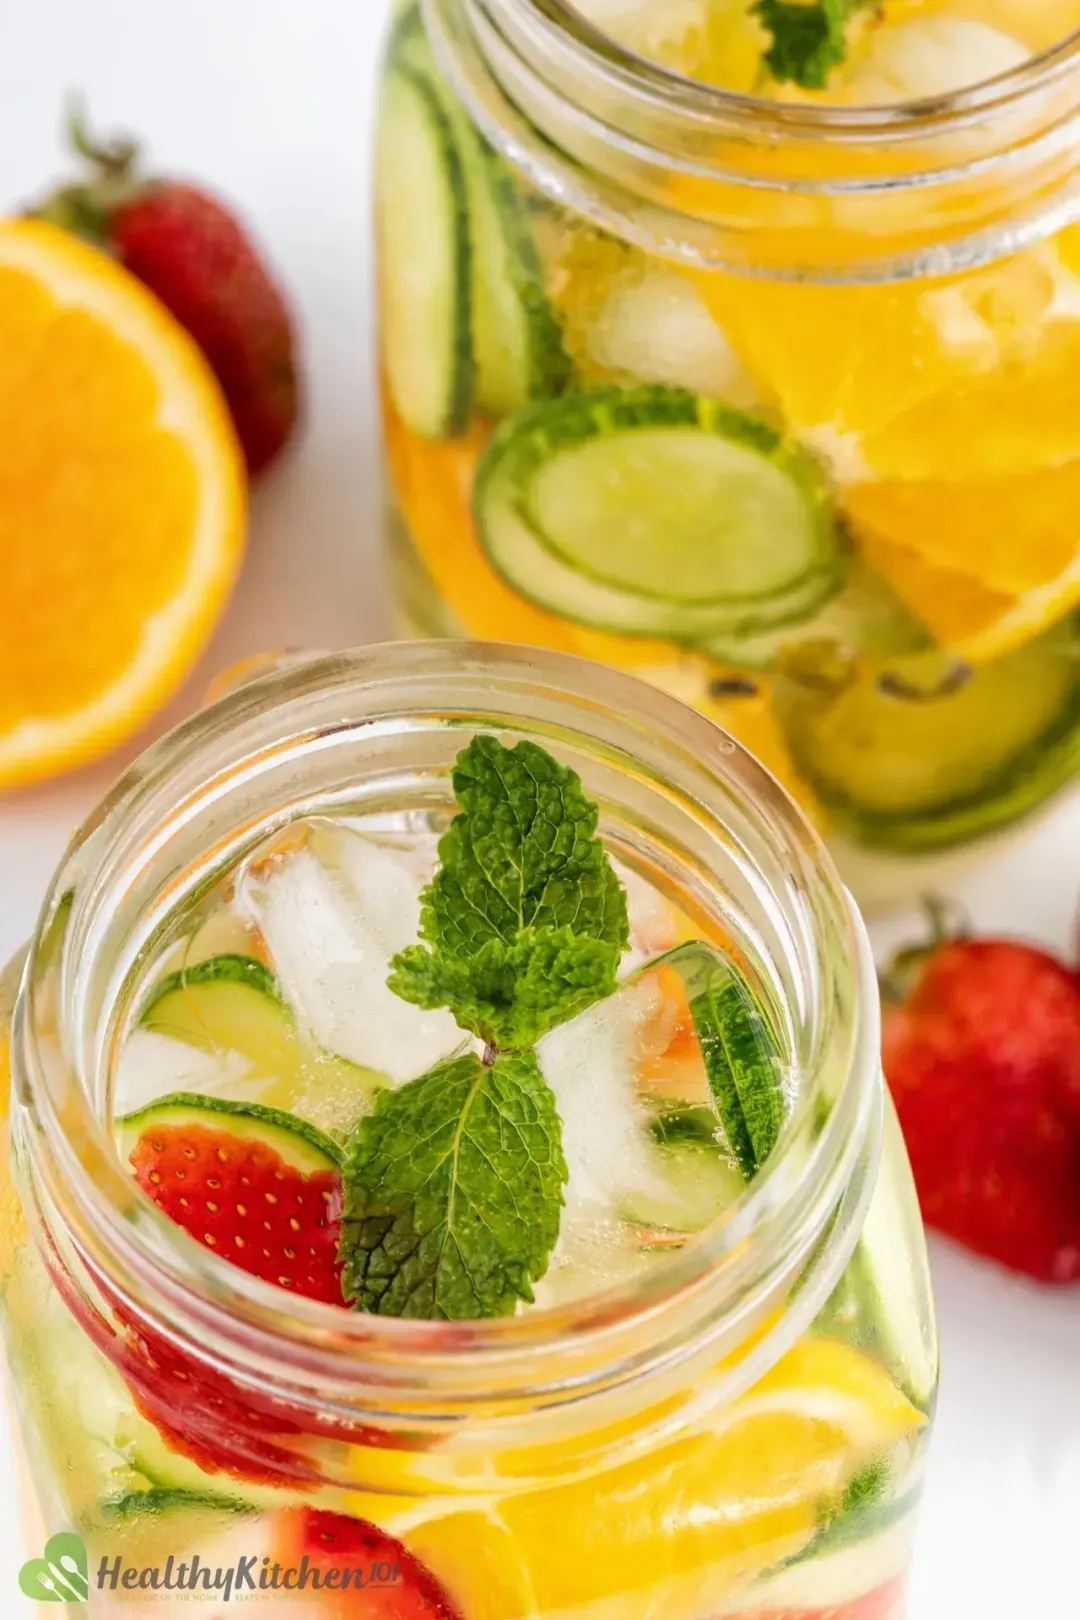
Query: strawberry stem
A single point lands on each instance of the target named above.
(113, 158)
(946, 921)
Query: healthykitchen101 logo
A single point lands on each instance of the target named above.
(62, 1575)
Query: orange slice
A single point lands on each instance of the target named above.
(949, 413)
(121, 503)
(680, 1531)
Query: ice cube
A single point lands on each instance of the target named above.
(930, 57)
(659, 329)
(152, 1065)
(654, 924)
(591, 1066)
(667, 33)
(330, 932)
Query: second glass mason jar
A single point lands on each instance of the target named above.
(736, 1428)
(772, 403)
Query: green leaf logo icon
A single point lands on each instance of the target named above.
(60, 1575)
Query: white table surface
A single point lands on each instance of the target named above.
(270, 99)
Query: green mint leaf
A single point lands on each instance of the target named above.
(742, 1066)
(809, 40)
(453, 1188)
(522, 861)
(511, 995)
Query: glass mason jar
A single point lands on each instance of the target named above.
(775, 405)
(740, 1432)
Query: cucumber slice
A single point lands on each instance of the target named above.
(890, 1276)
(864, 617)
(230, 1002)
(517, 336)
(300, 1144)
(233, 1003)
(653, 512)
(742, 1066)
(693, 1185)
(421, 212)
(146, 1528)
(86, 1430)
(910, 760)
(517, 339)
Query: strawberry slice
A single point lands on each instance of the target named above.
(226, 1171)
(884, 1603)
(257, 1185)
(394, 1584)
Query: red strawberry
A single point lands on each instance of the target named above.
(983, 1061)
(241, 1198)
(191, 251)
(395, 1585)
(884, 1603)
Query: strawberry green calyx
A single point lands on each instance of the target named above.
(87, 208)
(453, 1185)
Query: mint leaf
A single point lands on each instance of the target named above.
(453, 1191)
(511, 995)
(809, 40)
(521, 862)
(742, 1066)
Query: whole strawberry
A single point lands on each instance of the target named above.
(982, 1056)
(190, 250)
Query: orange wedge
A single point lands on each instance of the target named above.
(121, 503)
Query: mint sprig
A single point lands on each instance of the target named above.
(808, 39)
(453, 1185)
(525, 920)
(454, 1191)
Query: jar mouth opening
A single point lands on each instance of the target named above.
(269, 734)
(919, 117)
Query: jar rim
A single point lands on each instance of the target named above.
(712, 179)
(257, 731)
(902, 119)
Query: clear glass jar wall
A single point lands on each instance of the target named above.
(770, 402)
(738, 1429)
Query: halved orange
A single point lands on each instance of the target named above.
(122, 504)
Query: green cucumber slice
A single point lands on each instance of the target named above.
(300, 1144)
(890, 1276)
(87, 1434)
(651, 511)
(742, 1065)
(517, 335)
(863, 618)
(230, 1002)
(906, 759)
(421, 211)
(233, 1003)
(694, 1184)
(517, 338)
(146, 1528)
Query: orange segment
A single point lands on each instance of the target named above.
(1011, 534)
(121, 503)
(679, 1531)
(949, 413)
(955, 608)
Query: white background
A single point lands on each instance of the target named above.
(271, 100)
